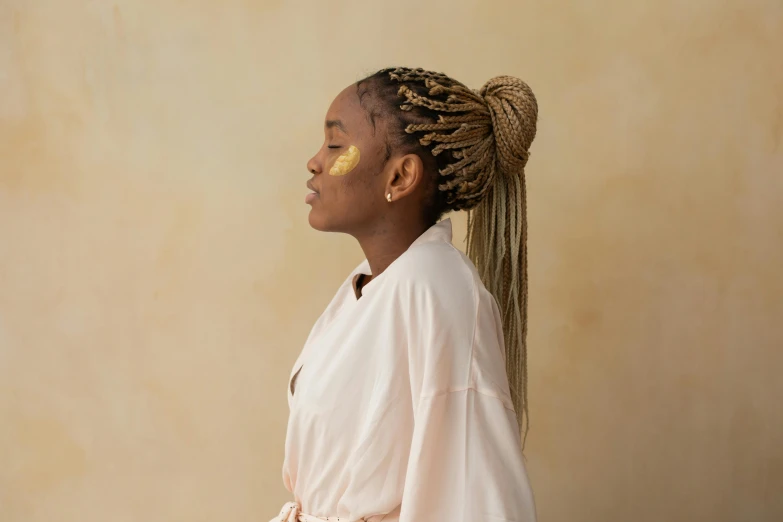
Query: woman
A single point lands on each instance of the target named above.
(400, 404)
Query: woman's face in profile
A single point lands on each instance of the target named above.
(348, 180)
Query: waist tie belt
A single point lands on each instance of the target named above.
(291, 513)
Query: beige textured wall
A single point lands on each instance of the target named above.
(158, 276)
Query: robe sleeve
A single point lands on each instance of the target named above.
(465, 463)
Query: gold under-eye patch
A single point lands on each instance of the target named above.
(346, 162)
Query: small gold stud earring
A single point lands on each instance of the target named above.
(388, 197)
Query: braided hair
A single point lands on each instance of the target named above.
(478, 142)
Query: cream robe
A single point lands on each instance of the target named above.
(401, 410)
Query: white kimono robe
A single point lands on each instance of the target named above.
(401, 410)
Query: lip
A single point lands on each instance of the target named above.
(309, 198)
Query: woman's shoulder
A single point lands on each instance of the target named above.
(437, 268)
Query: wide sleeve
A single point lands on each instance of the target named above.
(466, 462)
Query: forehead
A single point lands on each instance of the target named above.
(347, 109)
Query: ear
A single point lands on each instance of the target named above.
(406, 176)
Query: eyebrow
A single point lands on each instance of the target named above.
(330, 124)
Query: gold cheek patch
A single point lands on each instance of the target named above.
(346, 162)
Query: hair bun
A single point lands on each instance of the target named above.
(514, 112)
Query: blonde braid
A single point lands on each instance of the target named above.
(488, 134)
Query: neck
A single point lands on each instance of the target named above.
(386, 242)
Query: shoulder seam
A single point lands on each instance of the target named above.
(471, 376)
(474, 290)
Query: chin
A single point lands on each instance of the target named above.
(323, 222)
(317, 221)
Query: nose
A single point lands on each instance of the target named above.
(314, 165)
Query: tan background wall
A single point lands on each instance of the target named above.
(158, 276)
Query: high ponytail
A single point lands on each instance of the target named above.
(497, 226)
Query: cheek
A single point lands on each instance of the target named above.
(346, 162)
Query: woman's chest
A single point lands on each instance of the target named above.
(352, 365)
